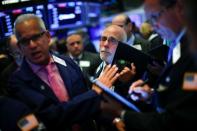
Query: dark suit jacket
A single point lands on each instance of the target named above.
(7, 66)
(29, 88)
(11, 111)
(145, 45)
(119, 87)
(88, 72)
(180, 112)
(156, 41)
(89, 63)
(94, 60)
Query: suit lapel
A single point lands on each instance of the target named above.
(99, 70)
(35, 82)
(137, 41)
(181, 61)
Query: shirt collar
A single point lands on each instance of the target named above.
(131, 40)
(79, 57)
(36, 68)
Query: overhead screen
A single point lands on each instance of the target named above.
(65, 15)
(10, 4)
(57, 14)
(8, 17)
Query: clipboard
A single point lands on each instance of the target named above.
(129, 54)
(116, 96)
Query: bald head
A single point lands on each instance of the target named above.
(119, 20)
(116, 32)
(124, 22)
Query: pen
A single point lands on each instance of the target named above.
(144, 83)
(138, 93)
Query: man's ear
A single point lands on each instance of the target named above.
(130, 26)
(48, 34)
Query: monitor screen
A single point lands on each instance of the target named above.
(65, 15)
(8, 17)
(10, 4)
(93, 11)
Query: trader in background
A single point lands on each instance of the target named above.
(133, 40)
(87, 61)
(148, 33)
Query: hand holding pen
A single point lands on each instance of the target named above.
(140, 91)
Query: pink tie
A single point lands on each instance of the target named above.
(55, 82)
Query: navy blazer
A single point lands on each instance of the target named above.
(29, 88)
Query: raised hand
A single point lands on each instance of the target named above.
(127, 74)
(139, 91)
(107, 77)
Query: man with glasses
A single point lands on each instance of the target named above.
(87, 61)
(109, 41)
(164, 19)
(132, 39)
(108, 44)
(51, 85)
(174, 104)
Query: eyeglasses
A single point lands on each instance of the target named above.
(110, 39)
(153, 18)
(26, 41)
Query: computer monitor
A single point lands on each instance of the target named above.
(65, 15)
(8, 17)
(93, 12)
(10, 4)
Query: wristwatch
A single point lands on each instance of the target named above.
(119, 119)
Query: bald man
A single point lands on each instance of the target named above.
(108, 45)
(133, 40)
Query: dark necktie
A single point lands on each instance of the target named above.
(76, 60)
